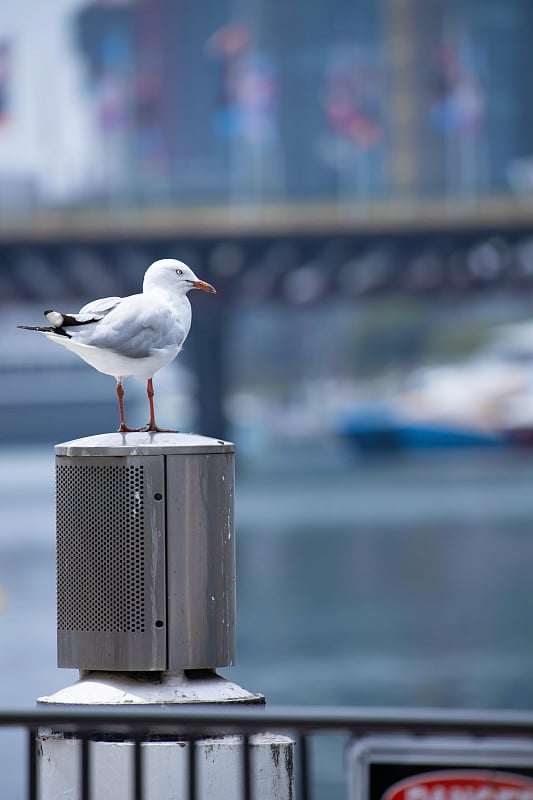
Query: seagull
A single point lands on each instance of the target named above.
(131, 336)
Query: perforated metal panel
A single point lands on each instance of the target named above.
(110, 562)
(145, 552)
(101, 550)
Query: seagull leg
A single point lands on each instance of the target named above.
(123, 427)
(152, 425)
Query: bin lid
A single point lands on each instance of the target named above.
(143, 443)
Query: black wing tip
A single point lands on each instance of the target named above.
(35, 327)
(45, 329)
(70, 320)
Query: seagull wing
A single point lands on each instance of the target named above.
(135, 329)
(100, 307)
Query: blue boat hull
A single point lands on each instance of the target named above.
(382, 433)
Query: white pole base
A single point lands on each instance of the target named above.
(165, 768)
(165, 764)
(141, 688)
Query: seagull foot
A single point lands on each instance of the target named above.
(127, 429)
(157, 429)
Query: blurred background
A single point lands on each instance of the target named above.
(356, 179)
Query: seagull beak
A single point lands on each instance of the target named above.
(205, 287)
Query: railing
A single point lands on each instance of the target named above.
(193, 723)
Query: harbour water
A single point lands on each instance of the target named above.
(400, 582)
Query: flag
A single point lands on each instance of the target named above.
(457, 105)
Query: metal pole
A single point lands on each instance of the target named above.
(146, 611)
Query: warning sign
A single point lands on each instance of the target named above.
(462, 785)
(440, 768)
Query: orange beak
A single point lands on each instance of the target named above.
(204, 286)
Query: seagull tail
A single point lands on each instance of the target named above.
(44, 329)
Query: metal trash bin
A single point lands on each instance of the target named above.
(145, 552)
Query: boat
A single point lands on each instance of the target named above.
(483, 401)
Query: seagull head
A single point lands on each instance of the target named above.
(173, 276)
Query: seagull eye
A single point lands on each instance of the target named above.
(179, 272)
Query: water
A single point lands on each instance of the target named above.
(398, 582)
(401, 582)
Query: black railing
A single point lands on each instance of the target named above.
(191, 724)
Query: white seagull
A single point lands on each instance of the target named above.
(131, 336)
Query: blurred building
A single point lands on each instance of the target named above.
(278, 101)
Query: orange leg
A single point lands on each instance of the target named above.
(123, 427)
(152, 424)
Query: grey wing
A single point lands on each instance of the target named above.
(100, 307)
(137, 333)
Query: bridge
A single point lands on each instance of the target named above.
(292, 255)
